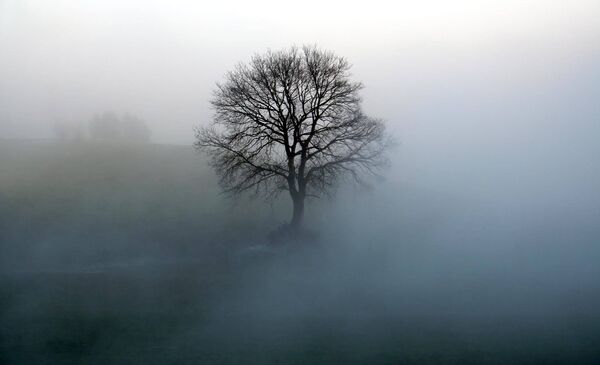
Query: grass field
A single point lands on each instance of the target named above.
(124, 254)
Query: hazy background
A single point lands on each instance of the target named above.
(476, 87)
(436, 69)
(481, 245)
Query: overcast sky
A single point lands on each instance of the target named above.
(433, 69)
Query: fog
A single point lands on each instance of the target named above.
(69, 60)
(480, 244)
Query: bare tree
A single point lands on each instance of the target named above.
(134, 128)
(291, 121)
(110, 126)
(68, 131)
(105, 126)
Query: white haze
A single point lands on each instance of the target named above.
(489, 100)
(490, 209)
(436, 70)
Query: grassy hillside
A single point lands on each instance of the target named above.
(82, 204)
(106, 248)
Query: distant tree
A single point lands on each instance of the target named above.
(61, 131)
(105, 126)
(134, 129)
(65, 131)
(109, 126)
(291, 121)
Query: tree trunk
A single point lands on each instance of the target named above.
(298, 215)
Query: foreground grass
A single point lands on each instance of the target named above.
(84, 204)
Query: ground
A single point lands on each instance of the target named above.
(129, 254)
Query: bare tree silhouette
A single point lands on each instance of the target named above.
(291, 121)
(112, 127)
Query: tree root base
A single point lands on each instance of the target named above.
(286, 234)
